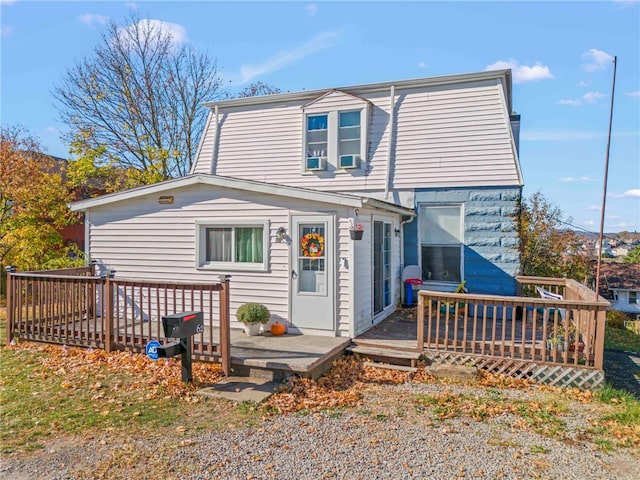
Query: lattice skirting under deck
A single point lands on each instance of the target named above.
(556, 375)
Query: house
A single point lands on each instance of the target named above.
(620, 284)
(427, 168)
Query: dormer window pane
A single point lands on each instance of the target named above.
(349, 133)
(317, 135)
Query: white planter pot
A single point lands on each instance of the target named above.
(252, 329)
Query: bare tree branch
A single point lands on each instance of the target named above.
(139, 97)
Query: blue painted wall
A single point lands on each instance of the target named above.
(491, 258)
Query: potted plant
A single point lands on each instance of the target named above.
(562, 339)
(253, 316)
(356, 230)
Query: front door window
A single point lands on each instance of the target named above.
(312, 258)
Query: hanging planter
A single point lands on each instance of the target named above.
(356, 229)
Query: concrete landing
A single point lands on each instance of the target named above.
(241, 389)
(279, 357)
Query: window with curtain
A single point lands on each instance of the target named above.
(233, 247)
(441, 243)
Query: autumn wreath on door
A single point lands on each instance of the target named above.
(312, 245)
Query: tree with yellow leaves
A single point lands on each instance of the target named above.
(33, 204)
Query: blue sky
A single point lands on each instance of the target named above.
(560, 53)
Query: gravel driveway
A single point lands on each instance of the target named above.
(386, 438)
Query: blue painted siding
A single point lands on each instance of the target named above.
(491, 258)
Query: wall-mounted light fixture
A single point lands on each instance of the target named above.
(397, 231)
(281, 234)
(165, 200)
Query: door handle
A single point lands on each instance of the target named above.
(294, 274)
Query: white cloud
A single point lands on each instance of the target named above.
(177, 32)
(93, 18)
(633, 94)
(6, 30)
(589, 97)
(51, 129)
(422, 65)
(633, 193)
(595, 208)
(582, 84)
(597, 60)
(575, 179)
(625, 3)
(7, 2)
(132, 5)
(623, 225)
(560, 135)
(544, 135)
(573, 103)
(589, 223)
(522, 73)
(311, 9)
(283, 58)
(592, 97)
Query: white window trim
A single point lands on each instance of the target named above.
(201, 228)
(333, 119)
(442, 283)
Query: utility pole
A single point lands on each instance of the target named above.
(606, 175)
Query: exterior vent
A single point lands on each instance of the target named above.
(314, 163)
(348, 161)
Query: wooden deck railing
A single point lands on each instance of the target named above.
(566, 332)
(73, 308)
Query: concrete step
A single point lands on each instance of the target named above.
(386, 355)
(401, 368)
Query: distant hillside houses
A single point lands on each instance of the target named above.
(614, 245)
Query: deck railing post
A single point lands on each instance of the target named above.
(10, 302)
(601, 317)
(225, 326)
(108, 334)
(420, 333)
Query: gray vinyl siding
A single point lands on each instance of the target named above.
(453, 137)
(140, 239)
(456, 135)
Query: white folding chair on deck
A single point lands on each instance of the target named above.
(546, 294)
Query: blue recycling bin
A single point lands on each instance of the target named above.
(409, 284)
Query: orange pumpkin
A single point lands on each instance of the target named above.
(278, 329)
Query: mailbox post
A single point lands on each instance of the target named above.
(182, 326)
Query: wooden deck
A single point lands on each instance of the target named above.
(558, 341)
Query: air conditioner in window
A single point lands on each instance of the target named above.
(314, 163)
(348, 161)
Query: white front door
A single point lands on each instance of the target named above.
(312, 272)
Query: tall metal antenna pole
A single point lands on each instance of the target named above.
(606, 175)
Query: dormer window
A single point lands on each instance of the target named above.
(317, 142)
(335, 139)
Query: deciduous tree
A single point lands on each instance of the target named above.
(138, 99)
(633, 256)
(258, 88)
(547, 248)
(33, 202)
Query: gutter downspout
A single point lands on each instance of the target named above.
(402, 224)
(392, 100)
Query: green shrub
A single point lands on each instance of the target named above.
(253, 313)
(616, 319)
